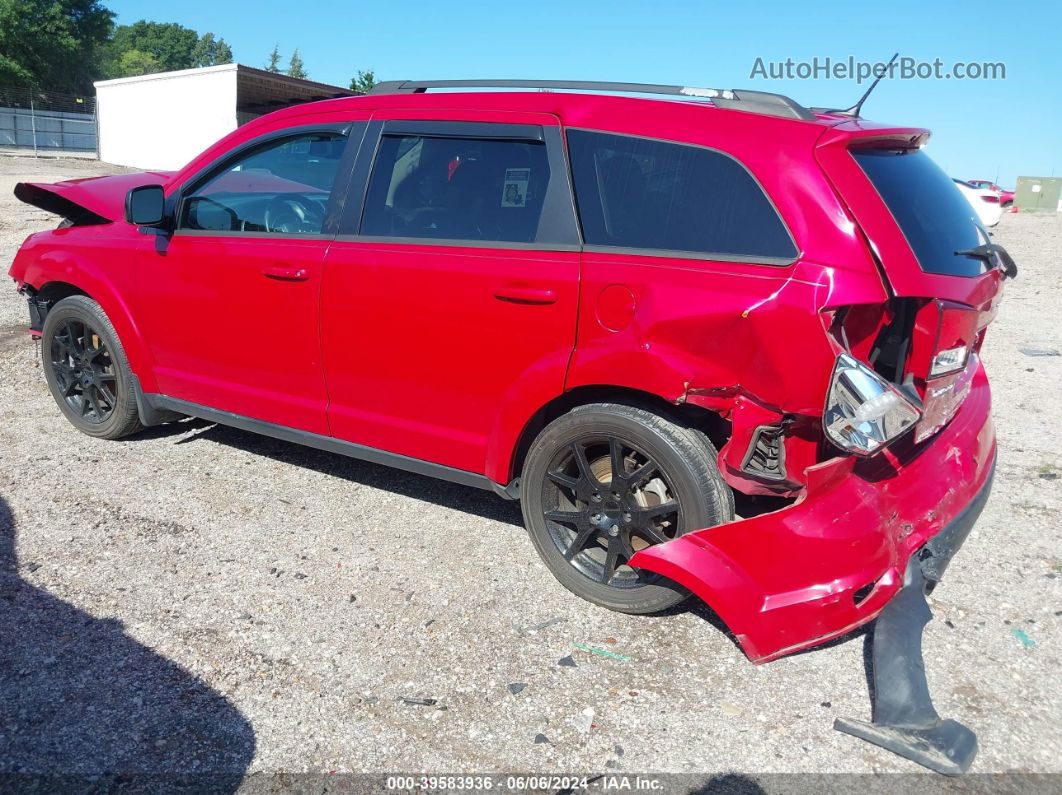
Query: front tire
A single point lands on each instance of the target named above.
(607, 480)
(87, 371)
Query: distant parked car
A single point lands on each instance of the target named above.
(1006, 197)
(984, 202)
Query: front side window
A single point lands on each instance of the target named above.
(281, 187)
(476, 189)
(645, 194)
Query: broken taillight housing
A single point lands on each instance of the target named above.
(949, 361)
(863, 411)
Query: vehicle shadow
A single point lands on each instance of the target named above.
(447, 495)
(84, 707)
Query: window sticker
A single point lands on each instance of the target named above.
(514, 188)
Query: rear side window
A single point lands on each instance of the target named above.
(456, 189)
(645, 194)
(933, 215)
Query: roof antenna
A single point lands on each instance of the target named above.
(854, 110)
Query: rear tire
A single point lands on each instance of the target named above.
(607, 480)
(87, 371)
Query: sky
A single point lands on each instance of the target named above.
(982, 129)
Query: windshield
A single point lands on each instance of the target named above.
(931, 211)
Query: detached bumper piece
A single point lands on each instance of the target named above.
(904, 719)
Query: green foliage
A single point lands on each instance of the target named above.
(295, 67)
(53, 44)
(170, 44)
(136, 62)
(209, 51)
(363, 82)
(274, 60)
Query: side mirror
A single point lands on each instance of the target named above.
(145, 206)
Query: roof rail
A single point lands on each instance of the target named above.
(752, 101)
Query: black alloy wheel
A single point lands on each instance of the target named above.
(84, 371)
(611, 500)
(605, 481)
(87, 370)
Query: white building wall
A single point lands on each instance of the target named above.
(162, 121)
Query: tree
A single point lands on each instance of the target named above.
(135, 62)
(274, 60)
(295, 67)
(363, 82)
(53, 44)
(209, 51)
(170, 44)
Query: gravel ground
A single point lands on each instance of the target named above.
(199, 598)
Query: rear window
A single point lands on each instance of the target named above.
(645, 194)
(932, 213)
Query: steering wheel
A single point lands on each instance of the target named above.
(293, 212)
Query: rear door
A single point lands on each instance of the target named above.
(449, 299)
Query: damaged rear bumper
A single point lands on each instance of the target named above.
(832, 561)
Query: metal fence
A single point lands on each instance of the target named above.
(47, 122)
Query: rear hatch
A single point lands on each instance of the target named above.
(934, 259)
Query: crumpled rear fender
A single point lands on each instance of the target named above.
(831, 561)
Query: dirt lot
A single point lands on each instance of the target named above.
(198, 598)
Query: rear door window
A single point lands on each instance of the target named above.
(639, 193)
(456, 188)
(934, 216)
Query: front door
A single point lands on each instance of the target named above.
(449, 301)
(230, 300)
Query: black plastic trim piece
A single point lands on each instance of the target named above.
(328, 443)
(465, 129)
(776, 262)
(771, 435)
(38, 311)
(904, 719)
(257, 233)
(150, 415)
(456, 243)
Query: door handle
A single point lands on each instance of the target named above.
(285, 273)
(526, 295)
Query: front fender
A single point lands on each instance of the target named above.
(101, 265)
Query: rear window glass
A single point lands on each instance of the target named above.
(645, 194)
(933, 215)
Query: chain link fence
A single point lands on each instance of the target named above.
(47, 122)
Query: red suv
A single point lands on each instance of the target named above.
(621, 311)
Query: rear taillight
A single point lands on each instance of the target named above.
(990, 199)
(943, 337)
(949, 361)
(864, 412)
